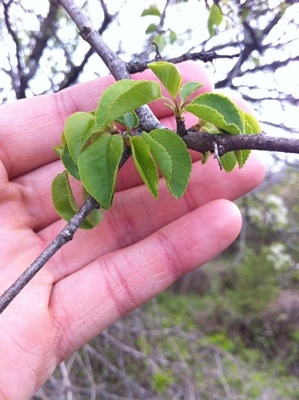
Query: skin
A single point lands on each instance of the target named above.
(140, 248)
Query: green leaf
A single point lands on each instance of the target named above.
(251, 124)
(160, 41)
(77, 130)
(59, 150)
(130, 120)
(160, 155)
(64, 201)
(228, 161)
(96, 215)
(168, 74)
(125, 96)
(69, 163)
(251, 127)
(173, 37)
(152, 10)
(145, 164)
(205, 157)
(242, 156)
(151, 28)
(187, 89)
(215, 19)
(177, 179)
(98, 167)
(218, 110)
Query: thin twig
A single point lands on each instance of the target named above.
(205, 56)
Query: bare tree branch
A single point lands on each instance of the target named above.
(41, 40)
(205, 56)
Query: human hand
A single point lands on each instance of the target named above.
(139, 249)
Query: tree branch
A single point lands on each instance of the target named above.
(204, 142)
(205, 56)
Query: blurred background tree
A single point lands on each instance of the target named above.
(231, 329)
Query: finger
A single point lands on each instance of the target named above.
(30, 128)
(88, 301)
(136, 214)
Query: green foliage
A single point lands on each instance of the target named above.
(78, 128)
(215, 19)
(187, 90)
(65, 202)
(145, 164)
(98, 166)
(124, 96)
(218, 110)
(130, 120)
(169, 75)
(165, 150)
(160, 381)
(177, 171)
(160, 41)
(221, 340)
(152, 10)
(92, 147)
(256, 284)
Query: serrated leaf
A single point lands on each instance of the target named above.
(251, 124)
(130, 120)
(69, 163)
(151, 28)
(160, 155)
(96, 215)
(64, 201)
(125, 96)
(228, 161)
(218, 110)
(152, 10)
(181, 163)
(59, 150)
(251, 127)
(168, 74)
(145, 164)
(215, 19)
(77, 130)
(242, 156)
(187, 89)
(98, 167)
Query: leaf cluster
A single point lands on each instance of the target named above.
(93, 144)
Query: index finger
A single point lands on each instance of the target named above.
(30, 128)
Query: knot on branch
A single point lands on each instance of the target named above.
(85, 32)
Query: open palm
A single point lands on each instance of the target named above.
(139, 249)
